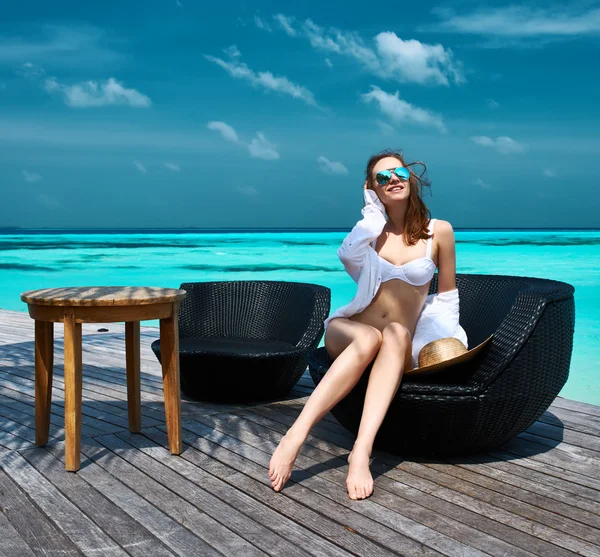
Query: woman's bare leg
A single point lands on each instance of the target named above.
(356, 345)
(386, 374)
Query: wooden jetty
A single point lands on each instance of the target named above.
(538, 494)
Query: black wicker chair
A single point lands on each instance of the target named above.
(472, 407)
(247, 340)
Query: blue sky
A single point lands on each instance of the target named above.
(173, 113)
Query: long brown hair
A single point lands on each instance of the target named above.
(417, 214)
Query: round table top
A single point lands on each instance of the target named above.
(103, 296)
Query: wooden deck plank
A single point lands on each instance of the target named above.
(520, 477)
(410, 488)
(569, 481)
(173, 535)
(13, 397)
(583, 440)
(393, 499)
(520, 456)
(231, 494)
(131, 448)
(575, 406)
(374, 520)
(389, 485)
(32, 524)
(11, 543)
(80, 529)
(564, 458)
(535, 495)
(584, 423)
(13, 411)
(125, 531)
(324, 528)
(507, 488)
(104, 409)
(196, 519)
(326, 520)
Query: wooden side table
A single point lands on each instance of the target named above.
(103, 304)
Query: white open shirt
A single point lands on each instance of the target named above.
(440, 314)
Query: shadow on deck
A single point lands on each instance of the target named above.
(535, 495)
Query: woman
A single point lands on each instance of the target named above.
(392, 254)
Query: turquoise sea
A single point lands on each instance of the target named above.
(42, 259)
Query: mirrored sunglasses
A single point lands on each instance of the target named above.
(384, 176)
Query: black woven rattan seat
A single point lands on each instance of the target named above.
(247, 340)
(472, 407)
(239, 347)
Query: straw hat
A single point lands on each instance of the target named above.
(445, 352)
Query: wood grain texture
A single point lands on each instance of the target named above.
(102, 296)
(536, 495)
(44, 354)
(73, 391)
(132, 354)
(169, 349)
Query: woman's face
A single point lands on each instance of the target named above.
(397, 187)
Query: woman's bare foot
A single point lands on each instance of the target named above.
(282, 461)
(359, 481)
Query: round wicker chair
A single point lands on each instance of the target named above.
(471, 407)
(247, 340)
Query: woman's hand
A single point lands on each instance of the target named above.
(372, 198)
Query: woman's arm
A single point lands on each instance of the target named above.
(353, 250)
(446, 256)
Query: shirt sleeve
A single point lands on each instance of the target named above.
(354, 248)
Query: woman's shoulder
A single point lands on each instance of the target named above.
(441, 226)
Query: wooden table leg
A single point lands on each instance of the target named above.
(169, 354)
(44, 359)
(73, 370)
(132, 353)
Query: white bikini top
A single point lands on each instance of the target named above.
(416, 272)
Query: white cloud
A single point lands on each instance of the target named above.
(47, 200)
(262, 24)
(401, 111)
(261, 148)
(484, 185)
(172, 166)
(416, 62)
(140, 167)
(31, 177)
(225, 129)
(92, 94)
(331, 167)
(521, 21)
(502, 144)
(246, 190)
(549, 173)
(329, 63)
(492, 104)
(286, 24)
(232, 51)
(64, 46)
(390, 57)
(266, 80)
(385, 128)
(31, 71)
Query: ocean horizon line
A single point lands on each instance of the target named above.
(7, 230)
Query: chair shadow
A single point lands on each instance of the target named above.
(542, 436)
